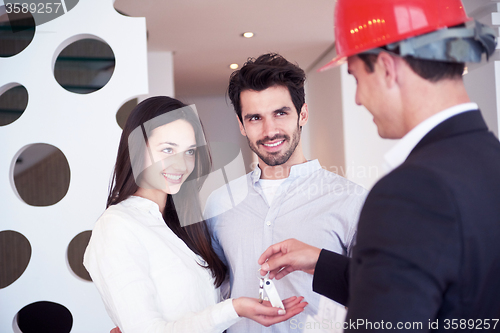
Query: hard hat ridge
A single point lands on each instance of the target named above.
(459, 44)
(427, 29)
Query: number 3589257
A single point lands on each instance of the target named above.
(41, 8)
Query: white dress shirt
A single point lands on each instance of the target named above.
(148, 278)
(399, 153)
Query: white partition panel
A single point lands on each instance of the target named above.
(84, 128)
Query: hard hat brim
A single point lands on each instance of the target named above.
(335, 62)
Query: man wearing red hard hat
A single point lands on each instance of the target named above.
(427, 256)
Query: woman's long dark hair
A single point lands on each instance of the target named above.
(187, 206)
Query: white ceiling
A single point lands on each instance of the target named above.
(205, 35)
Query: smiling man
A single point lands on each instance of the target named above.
(288, 196)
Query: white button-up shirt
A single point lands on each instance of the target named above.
(148, 278)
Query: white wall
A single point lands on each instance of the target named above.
(160, 75)
(481, 85)
(482, 82)
(323, 135)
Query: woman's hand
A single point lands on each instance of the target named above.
(264, 313)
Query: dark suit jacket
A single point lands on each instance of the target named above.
(428, 243)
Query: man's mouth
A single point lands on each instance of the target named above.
(275, 144)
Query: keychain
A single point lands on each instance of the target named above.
(272, 294)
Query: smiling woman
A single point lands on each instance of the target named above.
(150, 254)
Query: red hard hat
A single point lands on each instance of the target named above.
(361, 25)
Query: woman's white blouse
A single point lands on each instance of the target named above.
(148, 278)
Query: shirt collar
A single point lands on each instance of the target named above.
(399, 153)
(298, 170)
(143, 204)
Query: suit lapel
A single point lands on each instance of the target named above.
(462, 123)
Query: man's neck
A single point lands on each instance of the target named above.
(439, 96)
(283, 170)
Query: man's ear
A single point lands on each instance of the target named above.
(242, 128)
(388, 65)
(304, 115)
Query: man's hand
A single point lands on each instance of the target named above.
(291, 255)
(264, 313)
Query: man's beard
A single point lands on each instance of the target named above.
(277, 158)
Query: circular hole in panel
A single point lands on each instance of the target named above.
(124, 111)
(13, 102)
(44, 317)
(16, 32)
(70, 4)
(84, 66)
(76, 249)
(41, 175)
(15, 254)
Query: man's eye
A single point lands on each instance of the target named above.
(254, 118)
(168, 150)
(190, 152)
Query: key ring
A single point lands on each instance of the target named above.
(261, 290)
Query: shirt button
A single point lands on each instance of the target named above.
(268, 223)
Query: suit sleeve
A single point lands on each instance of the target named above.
(407, 252)
(118, 265)
(331, 276)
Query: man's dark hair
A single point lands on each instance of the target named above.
(267, 71)
(431, 70)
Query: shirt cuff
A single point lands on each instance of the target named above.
(225, 315)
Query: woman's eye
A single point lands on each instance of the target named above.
(168, 150)
(190, 151)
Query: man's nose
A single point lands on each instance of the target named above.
(358, 102)
(270, 128)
